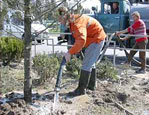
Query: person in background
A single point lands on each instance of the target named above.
(115, 8)
(64, 28)
(137, 28)
(63, 25)
(88, 33)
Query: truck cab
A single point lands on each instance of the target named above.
(110, 20)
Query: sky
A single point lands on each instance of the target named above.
(87, 4)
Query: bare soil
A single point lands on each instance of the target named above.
(127, 96)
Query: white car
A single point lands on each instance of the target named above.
(15, 26)
(18, 30)
(36, 28)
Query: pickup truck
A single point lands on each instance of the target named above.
(113, 21)
(122, 19)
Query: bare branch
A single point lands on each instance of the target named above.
(48, 10)
(75, 4)
(11, 3)
(45, 5)
(119, 106)
(10, 33)
(36, 34)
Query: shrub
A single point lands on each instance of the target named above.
(46, 66)
(106, 70)
(11, 49)
(73, 67)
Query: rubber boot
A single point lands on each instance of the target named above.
(83, 83)
(92, 81)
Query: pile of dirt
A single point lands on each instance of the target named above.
(15, 107)
(127, 96)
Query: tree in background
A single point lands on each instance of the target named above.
(3, 12)
(0, 85)
(26, 5)
(0, 54)
(27, 53)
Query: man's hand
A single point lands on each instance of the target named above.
(67, 57)
(121, 32)
(118, 34)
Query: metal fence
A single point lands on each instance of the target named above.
(109, 36)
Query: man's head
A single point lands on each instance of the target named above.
(62, 10)
(115, 5)
(135, 15)
(65, 14)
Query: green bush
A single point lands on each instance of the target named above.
(106, 70)
(46, 66)
(11, 49)
(73, 67)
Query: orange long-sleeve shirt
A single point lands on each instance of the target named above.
(85, 30)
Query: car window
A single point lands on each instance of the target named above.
(107, 8)
(111, 8)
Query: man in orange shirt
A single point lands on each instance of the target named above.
(88, 33)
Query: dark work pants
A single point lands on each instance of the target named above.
(142, 54)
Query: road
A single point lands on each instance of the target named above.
(47, 49)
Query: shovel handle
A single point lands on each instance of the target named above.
(60, 71)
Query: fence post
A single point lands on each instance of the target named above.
(53, 46)
(114, 56)
(35, 45)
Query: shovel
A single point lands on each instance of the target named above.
(58, 82)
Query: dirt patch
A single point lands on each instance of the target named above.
(128, 95)
(17, 106)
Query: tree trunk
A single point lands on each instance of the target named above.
(1, 21)
(1, 16)
(1, 28)
(27, 53)
(38, 10)
(0, 84)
